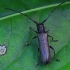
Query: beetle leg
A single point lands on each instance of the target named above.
(38, 49)
(54, 53)
(38, 61)
(27, 44)
(52, 38)
(38, 64)
(33, 30)
(34, 37)
(47, 31)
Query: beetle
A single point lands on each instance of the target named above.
(42, 36)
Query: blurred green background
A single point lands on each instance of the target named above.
(15, 32)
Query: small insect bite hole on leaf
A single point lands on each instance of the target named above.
(3, 50)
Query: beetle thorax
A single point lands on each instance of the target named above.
(40, 28)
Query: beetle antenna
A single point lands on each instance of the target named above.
(22, 14)
(52, 12)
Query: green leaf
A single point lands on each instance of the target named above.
(15, 33)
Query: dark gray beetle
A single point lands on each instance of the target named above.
(42, 36)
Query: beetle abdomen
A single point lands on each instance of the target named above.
(44, 48)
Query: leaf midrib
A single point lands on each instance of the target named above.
(32, 10)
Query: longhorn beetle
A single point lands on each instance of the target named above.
(42, 36)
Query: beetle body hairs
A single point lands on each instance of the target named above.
(42, 36)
